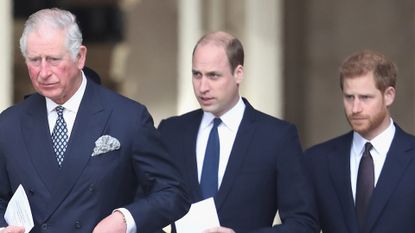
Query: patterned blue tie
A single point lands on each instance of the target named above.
(60, 135)
(209, 178)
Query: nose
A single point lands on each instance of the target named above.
(45, 70)
(356, 106)
(203, 85)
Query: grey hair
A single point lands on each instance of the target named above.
(57, 19)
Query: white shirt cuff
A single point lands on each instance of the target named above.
(131, 226)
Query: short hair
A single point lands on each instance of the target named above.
(384, 71)
(57, 19)
(233, 47)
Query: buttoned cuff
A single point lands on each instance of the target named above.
(129, 220)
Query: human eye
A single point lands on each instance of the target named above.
(365, 97)
(34, 60)
(348, 97)
(53, 60)
(196, 74)
(213, 75)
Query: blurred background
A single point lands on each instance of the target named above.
(293, 48)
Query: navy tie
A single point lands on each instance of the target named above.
(364, 185)
(60, 136)
(209, 178)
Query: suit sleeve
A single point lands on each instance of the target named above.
(295, 198)
(163, 199)
(5, 188)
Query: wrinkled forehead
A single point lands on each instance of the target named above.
(46, 42)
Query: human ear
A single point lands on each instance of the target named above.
(239, 74)
(81, 57)
(389, 95)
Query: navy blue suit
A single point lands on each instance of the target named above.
(392, 207)
(86, 189)
(263, 173)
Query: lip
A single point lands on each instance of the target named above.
(48, 85)
(206, 100)
(358, 120)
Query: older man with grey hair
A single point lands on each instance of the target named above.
(81, 151)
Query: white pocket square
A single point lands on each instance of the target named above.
(105, 144)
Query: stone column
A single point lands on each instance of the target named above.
(263, 83)
(6, 87)
(189, 31)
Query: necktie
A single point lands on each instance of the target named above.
(60, 136)
(209, 177)
(365, 185)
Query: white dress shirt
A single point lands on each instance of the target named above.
(69, 114)
(227, 131)
(381, 145)
(71, 108)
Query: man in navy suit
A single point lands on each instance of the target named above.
(364, 179)
(259, 170)
(108, 148)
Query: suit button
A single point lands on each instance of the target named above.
(44, 226)
(77, 224)
(91, 187)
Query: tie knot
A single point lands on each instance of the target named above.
(368, 147)
(59, 110)
(216, 122)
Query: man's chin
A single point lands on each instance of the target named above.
(55, 98)
(358, 125)
(210, 109)
(207, 108)
(361, 129)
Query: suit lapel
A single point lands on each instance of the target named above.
(339, 167)
(36, 135)
(396, 163)
(89, 125)
(240, 147)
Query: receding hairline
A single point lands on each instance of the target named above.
(219, 38)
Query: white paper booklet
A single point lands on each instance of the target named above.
(18, 211)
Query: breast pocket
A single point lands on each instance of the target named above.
(106, 158)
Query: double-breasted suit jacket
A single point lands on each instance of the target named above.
(87, 188)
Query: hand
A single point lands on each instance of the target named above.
(219, 230)
(112, 224)
(12, 229)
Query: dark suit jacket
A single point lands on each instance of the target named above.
(392, 207)
(263, 173)
(87, 189)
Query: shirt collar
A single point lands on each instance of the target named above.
(231, 119)
(73, 103)
(381, 143)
